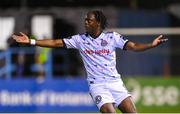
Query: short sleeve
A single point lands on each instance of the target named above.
(119, 41)
(71, 42)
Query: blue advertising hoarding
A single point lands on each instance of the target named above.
(47, 96)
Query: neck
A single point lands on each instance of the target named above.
(95, 34)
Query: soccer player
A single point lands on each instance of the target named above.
(97, 49)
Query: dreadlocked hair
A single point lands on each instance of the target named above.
(101, 18)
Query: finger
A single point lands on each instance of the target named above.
(160, 36)
(164, 40)
(22, 34)
(14, 37)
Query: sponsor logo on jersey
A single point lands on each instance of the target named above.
(100, 52)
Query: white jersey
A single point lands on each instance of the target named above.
(99, 55)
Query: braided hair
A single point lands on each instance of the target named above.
(100, 17)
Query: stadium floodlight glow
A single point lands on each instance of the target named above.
(42, 26)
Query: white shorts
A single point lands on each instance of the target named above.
(108, 91)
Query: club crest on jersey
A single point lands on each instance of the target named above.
(104, 43)
(98, 99)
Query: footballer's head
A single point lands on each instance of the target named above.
(95, 20)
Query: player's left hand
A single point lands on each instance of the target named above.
(158, 40)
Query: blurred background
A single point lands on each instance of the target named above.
(34, 79)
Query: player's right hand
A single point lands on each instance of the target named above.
(23, 38)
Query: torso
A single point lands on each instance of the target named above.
(98, 55)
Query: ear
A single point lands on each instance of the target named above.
(99, 24)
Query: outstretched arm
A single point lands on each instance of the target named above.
(23, 38)
(141, 47)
